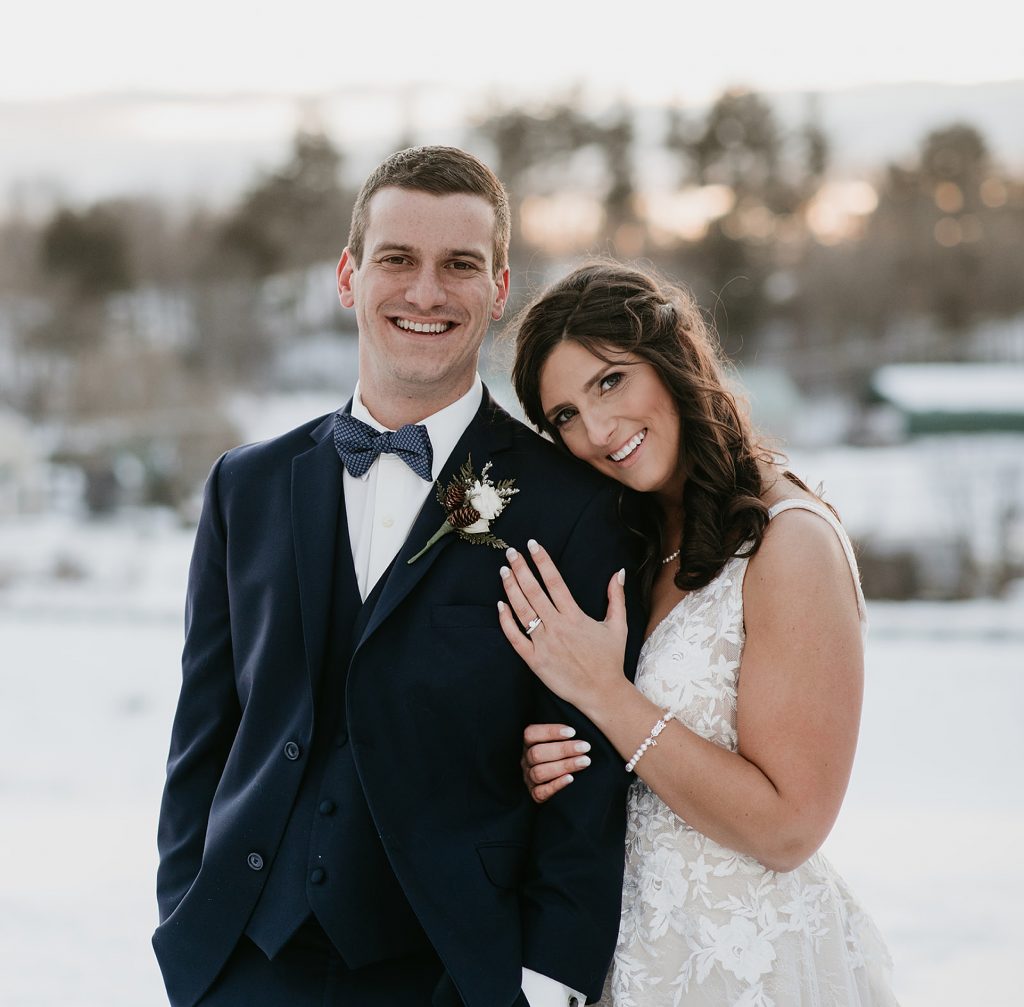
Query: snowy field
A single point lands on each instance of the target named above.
(930, 836)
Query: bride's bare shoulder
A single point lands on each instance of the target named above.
(779, 486)
(801, 557)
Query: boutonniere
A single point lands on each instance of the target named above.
(471, 504)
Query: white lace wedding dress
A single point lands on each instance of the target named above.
(702, 924)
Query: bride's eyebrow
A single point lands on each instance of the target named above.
(597, 377)
(587, 385)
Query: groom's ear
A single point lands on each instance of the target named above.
(500, 294)
(346, 269)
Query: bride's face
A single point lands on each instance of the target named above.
(618, 417)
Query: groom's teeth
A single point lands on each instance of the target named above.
(434, 327)
(629, 447)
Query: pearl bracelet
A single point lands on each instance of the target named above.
(650, 740)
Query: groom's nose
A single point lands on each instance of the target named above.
(425, 289)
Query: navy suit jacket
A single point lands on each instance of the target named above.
(436, 701)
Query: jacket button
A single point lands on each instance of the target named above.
(327, 807)
(255, 861)
(342, 739)
(292, 751)
(317, 875)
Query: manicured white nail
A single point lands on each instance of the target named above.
(511, 553)
(582, 746)
(505, 572)
(568, 732)
(583, 761)
(501, 606)
(568, 777)
(622, 576)
(532, 545)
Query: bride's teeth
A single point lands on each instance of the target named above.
(628, 448)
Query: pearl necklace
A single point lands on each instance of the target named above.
(668, 559)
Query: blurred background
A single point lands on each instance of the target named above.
(843, 190)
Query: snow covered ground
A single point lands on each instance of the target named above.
(90, 633)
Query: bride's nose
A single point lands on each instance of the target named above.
(600, 430)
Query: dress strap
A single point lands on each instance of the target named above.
(798, 503)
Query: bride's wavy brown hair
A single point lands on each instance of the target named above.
(612, 309)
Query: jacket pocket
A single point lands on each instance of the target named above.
(464, 616)
(504, 863)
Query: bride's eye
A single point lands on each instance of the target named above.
(562, 417)
(609, 381)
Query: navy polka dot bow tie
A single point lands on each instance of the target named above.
(359, 445)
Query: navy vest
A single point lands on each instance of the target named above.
(331, 862)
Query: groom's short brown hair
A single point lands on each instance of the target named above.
(441, 171)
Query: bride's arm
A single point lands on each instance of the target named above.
(800, 688)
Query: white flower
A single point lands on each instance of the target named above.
(486, 501)
(742, 950)
(477, 527)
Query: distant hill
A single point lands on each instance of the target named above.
(206, 148)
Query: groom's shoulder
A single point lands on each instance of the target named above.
(261, 457)
(539, 459)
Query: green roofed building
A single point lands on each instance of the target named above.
(952, 398)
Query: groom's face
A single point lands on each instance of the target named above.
(424, 294)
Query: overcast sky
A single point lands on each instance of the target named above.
(639, 49)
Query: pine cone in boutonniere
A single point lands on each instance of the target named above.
(453, 497)
(471, 504)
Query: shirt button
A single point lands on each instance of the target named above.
(255, 861)
(292, 751)
(317, 875)
(327, 807)
(388, 522)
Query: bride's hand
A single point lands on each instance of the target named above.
(576, 657)
(549, 760)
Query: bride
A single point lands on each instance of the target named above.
(742, 721)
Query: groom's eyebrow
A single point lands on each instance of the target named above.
(466, 253)
(447, 253)
(392, 246)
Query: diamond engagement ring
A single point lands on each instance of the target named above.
(534, 623)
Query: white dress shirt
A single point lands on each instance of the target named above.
(381, 506)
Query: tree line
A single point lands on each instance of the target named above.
(130, 318)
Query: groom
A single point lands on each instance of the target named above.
(344, 820)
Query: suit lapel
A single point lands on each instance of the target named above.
(488, 434)
(317, 493)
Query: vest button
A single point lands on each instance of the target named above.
(327, 807)
(255, 861)
(317, 876)
(292, 751)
